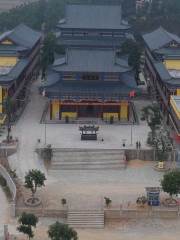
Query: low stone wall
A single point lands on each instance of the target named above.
(43, 212)
(148, 154)
(7, 151)
(132, 213)
(11, 186)
(108, 214)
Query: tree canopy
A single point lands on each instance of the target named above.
(27, 221)
(33, 180)
(152, 116)
(131, 48)
(171, 182)
(61, 231)
(49, 47)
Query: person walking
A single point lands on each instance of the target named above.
(139, 145)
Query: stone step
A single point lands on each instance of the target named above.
(86, 219)
(96, 167)
(56, 156)
(68, 150)
(82, 160)
(92, 159)
(92, 226)
(86, 212)
(108, 162)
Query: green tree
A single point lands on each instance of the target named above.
(49, 47)
(171, 183)
(8, 107)
(163, 144)
(27, 221)
(152, 116)
(33, 180)
(131, 48)
(61, 231)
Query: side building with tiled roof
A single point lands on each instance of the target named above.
(162, 65)
(19, 59)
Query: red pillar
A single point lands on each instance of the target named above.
(51, 106)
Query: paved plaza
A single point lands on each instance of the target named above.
(28, 130)
(83, 189)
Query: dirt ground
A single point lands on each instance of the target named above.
(122, 230)
(8, 4)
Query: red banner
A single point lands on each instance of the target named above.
(91, 103)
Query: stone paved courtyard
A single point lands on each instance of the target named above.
(82, 189)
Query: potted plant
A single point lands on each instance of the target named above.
(107, 201)
(63, 201)
(33, 180)
(67, 119)
(141, 200)
(111, 119)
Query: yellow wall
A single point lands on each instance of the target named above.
(8, 61)
(55, 108)
(2, 121)
(175, 108)
(172, 64)
(69, 114)
(124, 111)
(178, 92)
(108, 115)
(6, 42)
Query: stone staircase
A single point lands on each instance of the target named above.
(86, 219)
(87, 159)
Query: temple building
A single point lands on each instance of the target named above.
(90, 83)
(89, 24)
(162, 65)
(19, 59)
(91, 80)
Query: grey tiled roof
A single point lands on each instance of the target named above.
(173, 81)
(168, 51)
(11, 47)
(159, 38)
(91, 41)
(172, 57)
(8, 54)
(93, 16)
(18, 68)
(163, 72)
(23, 35)
(92, 87)
(16, 71)
(91, 61)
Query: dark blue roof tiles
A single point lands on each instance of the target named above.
(159, 38)
(163, 72)
(90, 61)
(23, 35)
(93, 16)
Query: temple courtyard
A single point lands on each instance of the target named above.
(84, 189)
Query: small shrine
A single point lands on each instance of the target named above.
(89, 132)
(153, 195)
